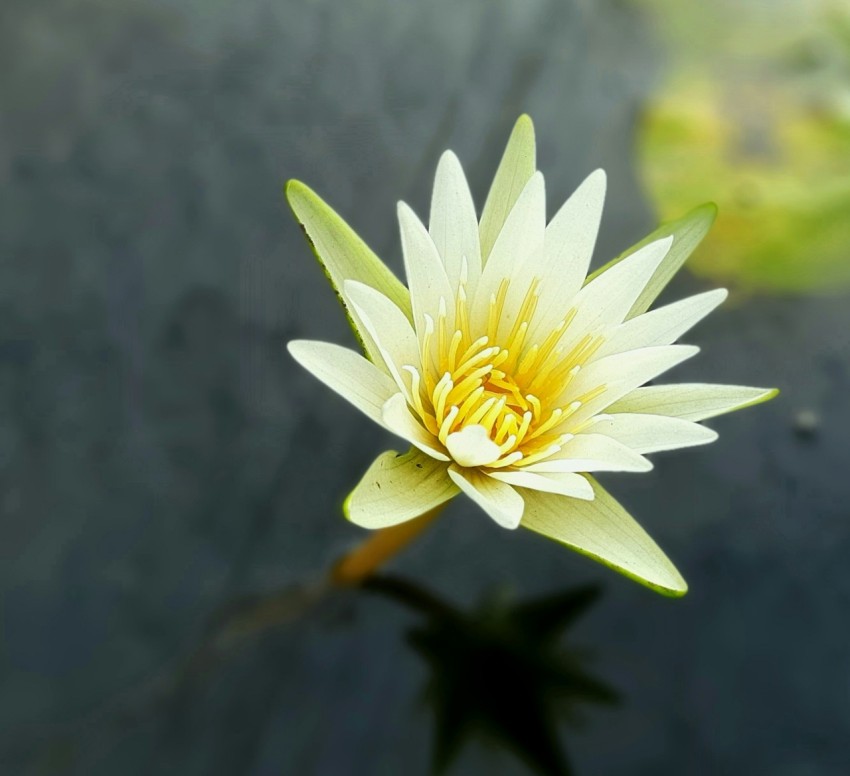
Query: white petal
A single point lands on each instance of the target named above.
(692, 401)
(604, 531)
(563, 483)
(687, 232)
(388, 327)
(342, 254)
(517, 166)
(349, 374)
(607, 299)
(426, 275)
(662, 326)
(453, 224)
(620, 374)
(397, 488)
(472, 446)
(497, 499)
(568, 245)
(652, 433)
(399, 419)
(520, 237)
(593, 453)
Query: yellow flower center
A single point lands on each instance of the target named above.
(494, 400)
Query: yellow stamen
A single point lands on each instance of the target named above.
(481, 411)
(440, 393)
(490, 418)
(469, 402)
(515, 389)
(470, 382)
(551, 422)
(510, 459)
(546, 452)
(446, 427)
(453, 348)
(508, 427)
(497, 303)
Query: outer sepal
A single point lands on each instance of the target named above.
(603, 530)
(397, 488)
(518, 164)
(344, 256)
(692, 401)
(687, 233)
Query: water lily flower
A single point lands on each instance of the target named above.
(512, 374)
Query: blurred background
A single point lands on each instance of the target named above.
(164, 465)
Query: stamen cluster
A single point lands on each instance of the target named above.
(508, 387)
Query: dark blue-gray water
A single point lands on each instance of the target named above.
(162, 456)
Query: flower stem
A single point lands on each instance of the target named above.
(368, 556)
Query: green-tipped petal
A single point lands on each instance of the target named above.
(397, 488)
(692, 401)
(344, 256)
(604, 531)
(647, 433)
(516, 168)
(687, 233)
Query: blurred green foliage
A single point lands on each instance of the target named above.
(754, 114)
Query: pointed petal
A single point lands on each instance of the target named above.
(593, 453)
(564, 483)
(620, 374)
(523, 231)
(388, 326)
(687, 233)
(343, 255)
(520, 237)
(607, 300)
(561, 265)
(646, 433)
(349, 374)
(604, 531)
(397, 488)
(453, 224)
(692, 401)
(426, 275)
(399, 419)
(516, 168)
(497, 499)
(662, 326)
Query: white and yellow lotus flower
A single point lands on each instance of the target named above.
(512, 374)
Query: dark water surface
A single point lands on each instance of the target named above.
(161, 455)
